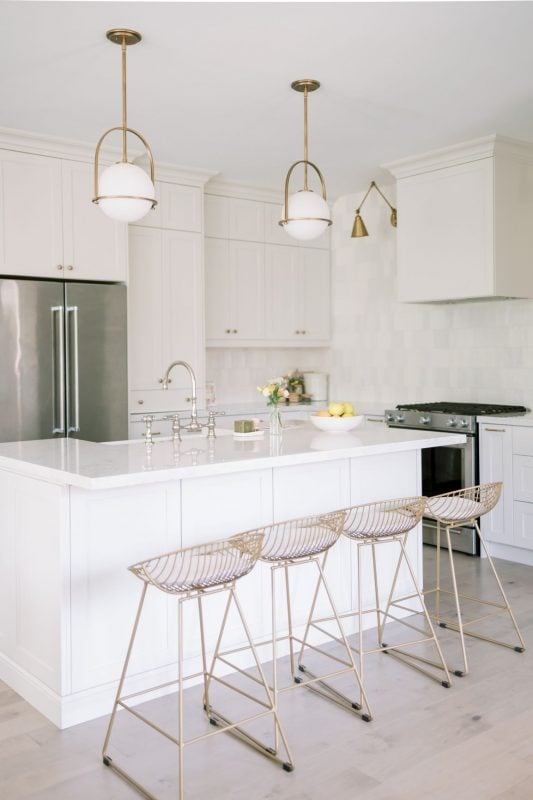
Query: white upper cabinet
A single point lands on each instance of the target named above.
(274, 233)
(464, 227)
(95, 247)
(217, 216)
(246, 220)
(48, 226)
(234, 286)
(31, 237)
(179, 208)
(297, 295)
(165, 315)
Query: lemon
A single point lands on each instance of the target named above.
(336, 409)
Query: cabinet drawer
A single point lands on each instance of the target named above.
(523, 441)
(523, 478)
(523, 525)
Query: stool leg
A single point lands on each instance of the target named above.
(409, 658)
(106, 759)
(180, 699)
(289, 619)
(328, 691)
(379, 619)
(202, 645)
(437, 573)
(507, 607)
(216, 718)
(459, 625)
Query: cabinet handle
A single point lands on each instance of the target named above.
(141, 402)
(228, 330)
(188, 399)
(304, 331)
(494, 430)
(59, 266)
(70, 267)
(296, 331)
(154, 433)
(235, 330)
(375, 419)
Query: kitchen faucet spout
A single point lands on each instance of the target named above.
(194, 425)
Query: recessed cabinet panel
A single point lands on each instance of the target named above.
(179, 208)
(315, 283)
(274, 233)
(217, 216)
(31, 235)
(218, 289)
(246, 220)
(445, 240)
(495, 464)
(95, 247)
(523, 525)
(282, 267)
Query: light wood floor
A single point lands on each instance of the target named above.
(471, 742)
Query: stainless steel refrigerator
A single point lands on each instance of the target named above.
(63, 360)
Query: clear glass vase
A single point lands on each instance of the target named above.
(275, 424)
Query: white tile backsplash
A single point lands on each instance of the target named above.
(479, 351)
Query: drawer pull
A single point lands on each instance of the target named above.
(495, 430)
(154, 433)
(375, 419)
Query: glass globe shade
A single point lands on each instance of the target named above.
(130, 183)
(302, 204)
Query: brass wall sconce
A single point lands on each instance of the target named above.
(124, 191)
(359, 227)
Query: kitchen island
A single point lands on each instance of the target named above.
(75, 514)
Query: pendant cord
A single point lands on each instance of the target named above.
(124, 106)
(305, 140)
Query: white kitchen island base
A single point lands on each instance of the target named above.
(74, 515)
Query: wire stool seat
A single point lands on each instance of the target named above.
(452, 510)
(292, 544)
(378, 523)
(192, 574)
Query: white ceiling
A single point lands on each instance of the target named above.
(209, 84)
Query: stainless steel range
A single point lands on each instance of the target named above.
(446, 469)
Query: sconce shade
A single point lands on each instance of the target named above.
(126, 192)
(359, 227)
(307, 217)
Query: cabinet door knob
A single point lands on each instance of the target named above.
(235, 330)
(228, 330)
(296, 331)
(141, 402)
(70, 267)
(60, 266)
(304, 331)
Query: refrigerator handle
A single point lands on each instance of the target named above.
(73, 370)
(58, 370)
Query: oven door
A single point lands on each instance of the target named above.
(447, 469)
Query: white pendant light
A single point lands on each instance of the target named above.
(305, 214)
(124, 191)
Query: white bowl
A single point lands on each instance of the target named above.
(336, 424)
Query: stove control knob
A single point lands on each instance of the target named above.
(425, 420)
(400, 418)
(452, 423)
(390, 418)
(463, 423)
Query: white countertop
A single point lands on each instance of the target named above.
(518, 419)
(102, 466)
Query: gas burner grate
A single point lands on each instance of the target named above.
(467, 409)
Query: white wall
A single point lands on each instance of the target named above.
(391, 352)
(238, 372)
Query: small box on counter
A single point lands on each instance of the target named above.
(243, 426)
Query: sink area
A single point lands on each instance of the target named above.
(185, 437)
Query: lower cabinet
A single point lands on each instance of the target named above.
(165, 316)
(506, 454)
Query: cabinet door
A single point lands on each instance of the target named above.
(218, 290)
(95, 247)
(179, 208)
(246, 220)
(495, 464)
(315, 295)
(31, 241)
(216, 216)
(145, 317)
(247, 285)
(274, 233)
(445, 239)
(182, 306)
(283, 307)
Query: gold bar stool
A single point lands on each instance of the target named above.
(286, 546)
(192, 574)
(452, 510)
(379, 523)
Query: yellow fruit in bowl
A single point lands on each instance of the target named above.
(349, 414)
(336, 409)
(349, 409)
(322, 413)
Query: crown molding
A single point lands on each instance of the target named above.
(244, 191)
(54, 146)
(473, 150)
